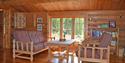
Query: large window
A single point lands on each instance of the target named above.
(67, 27)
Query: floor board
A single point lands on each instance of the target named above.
(6, 57)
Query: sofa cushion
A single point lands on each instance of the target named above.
(21, 36)
(36, 37)
(105, 39)
(38, 46)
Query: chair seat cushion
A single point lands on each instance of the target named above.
(89, 53)
(38, 46)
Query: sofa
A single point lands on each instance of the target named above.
(28, 43)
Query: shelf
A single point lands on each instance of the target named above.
(106, 29)
(97, 22)
(96, 28)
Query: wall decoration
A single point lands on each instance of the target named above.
(39, 24)
(19, 20)
(39, 27)
(39, 20)
(112, 24)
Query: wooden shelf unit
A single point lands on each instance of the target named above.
(114, 31)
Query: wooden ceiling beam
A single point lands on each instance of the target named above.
(19, 2)
(50, 1)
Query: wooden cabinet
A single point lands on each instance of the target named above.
(97, 26)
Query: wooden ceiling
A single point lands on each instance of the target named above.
(62, 5)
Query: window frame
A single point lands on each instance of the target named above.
(73, 32)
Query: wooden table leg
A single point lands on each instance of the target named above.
(67, 54)
(49, 53)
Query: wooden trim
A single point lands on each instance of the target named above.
(86, 13)
(50, 27)
(61, 28)
(73, 28)
(7, 29)
(85, 27)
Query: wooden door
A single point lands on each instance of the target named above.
(1, 29)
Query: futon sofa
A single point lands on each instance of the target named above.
(28, 43)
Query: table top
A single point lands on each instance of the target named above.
(57, 42)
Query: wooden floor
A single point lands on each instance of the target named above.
(6, 57)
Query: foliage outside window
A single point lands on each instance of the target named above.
(79, 28)
(68, 28)
(56, 28)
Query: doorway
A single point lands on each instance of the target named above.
(1, 29)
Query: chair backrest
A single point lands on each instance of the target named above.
(105, 39)
(28, 36)
(36, 36)
(20, 35)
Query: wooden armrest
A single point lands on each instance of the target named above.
(93, 43)
(89, 43)
(96, 43)
(95, 47)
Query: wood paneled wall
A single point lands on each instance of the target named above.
(119, 16)
(1, 29)
(121, 26)
(31, 21)
(7, 28)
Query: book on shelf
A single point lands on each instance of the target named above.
(96, 33)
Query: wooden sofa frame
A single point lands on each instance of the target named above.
(25, 49)
(93, 59)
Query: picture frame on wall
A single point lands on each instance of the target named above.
(39, 20)
(19, 20)
(39, 27)
(112, 24)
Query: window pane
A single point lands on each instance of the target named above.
(67, 27)
(67, 23)
(56, 28)
(79, 28)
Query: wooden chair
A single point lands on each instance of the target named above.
(94, 51)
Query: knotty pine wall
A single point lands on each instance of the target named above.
(119, 16)
(1, 29)
(31, 22)
(7, 15)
